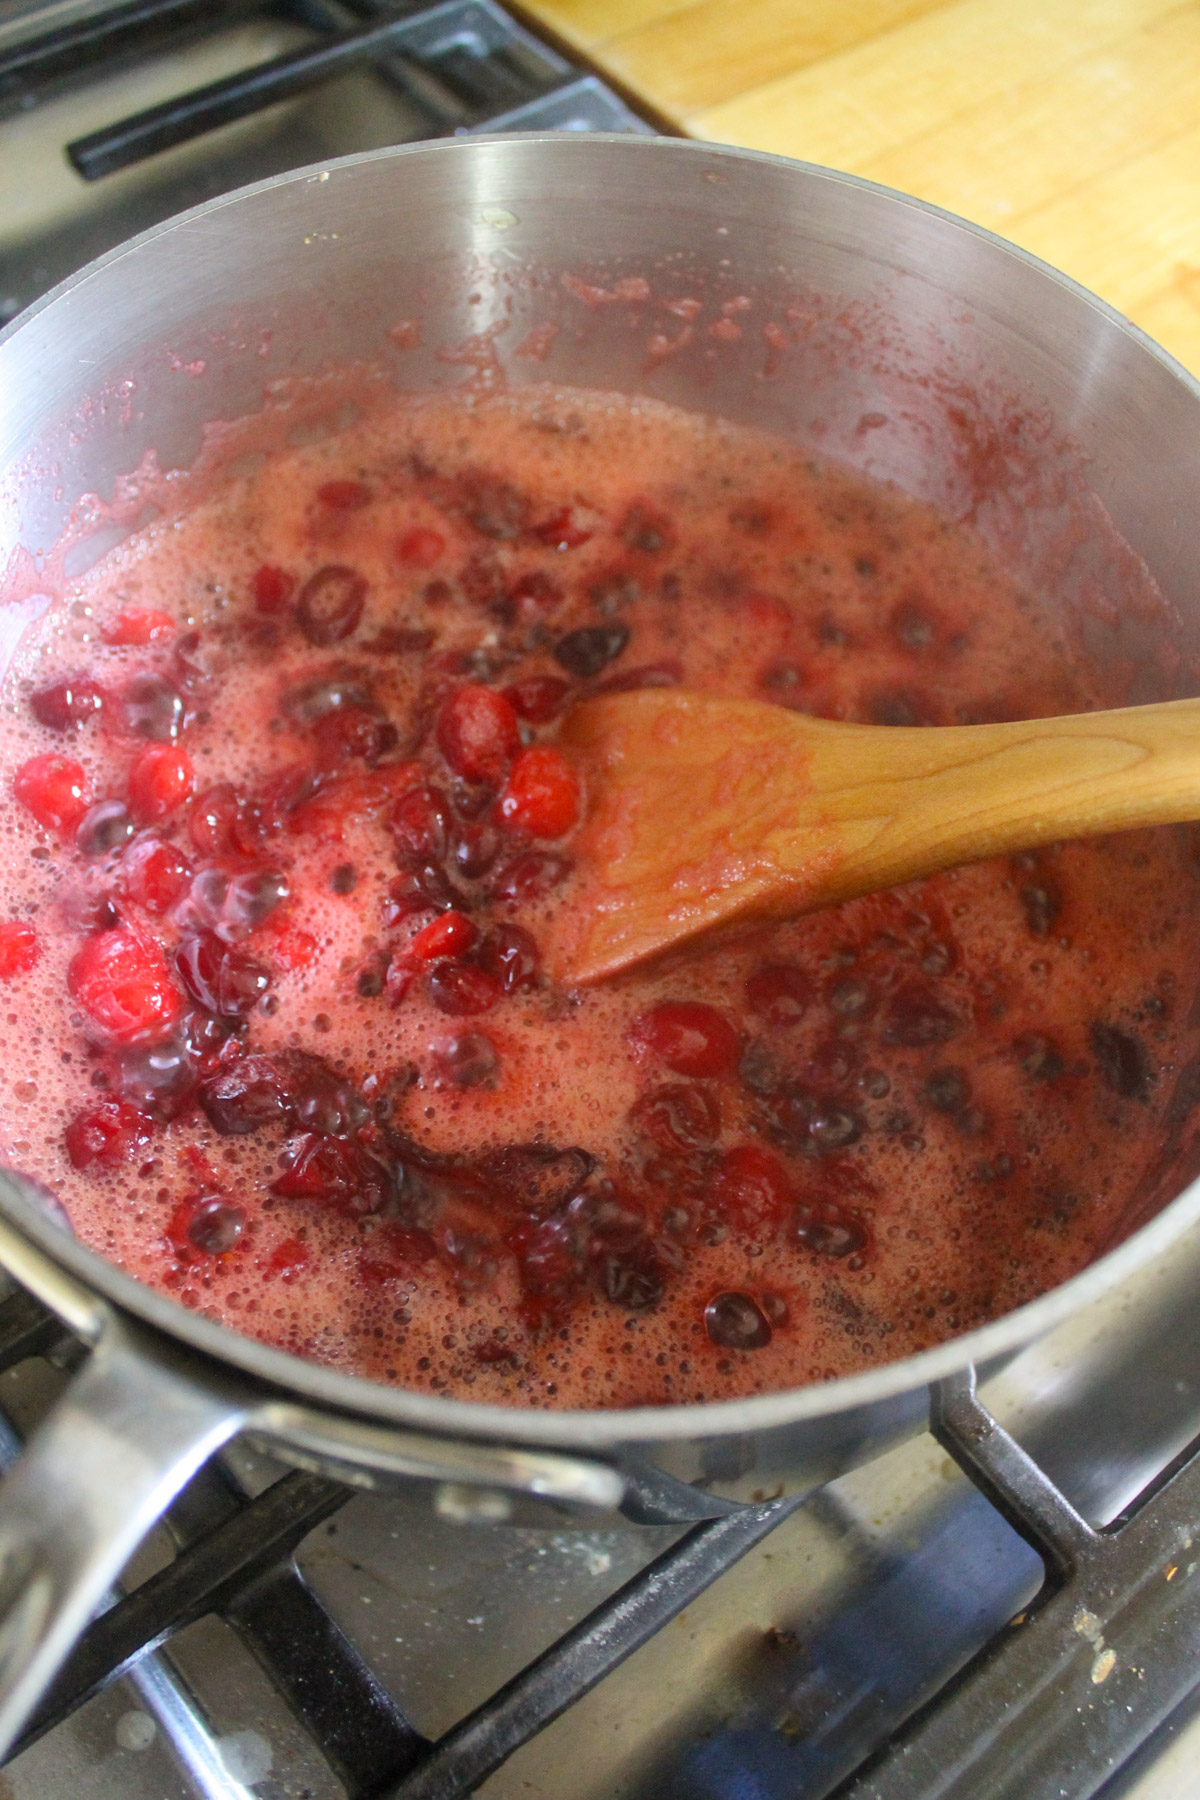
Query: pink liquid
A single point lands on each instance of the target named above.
(913, 1112)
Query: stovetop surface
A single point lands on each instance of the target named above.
(800, 1660)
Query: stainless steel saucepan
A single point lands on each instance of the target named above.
(901, 340)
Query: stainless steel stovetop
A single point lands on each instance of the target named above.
(799, 1663)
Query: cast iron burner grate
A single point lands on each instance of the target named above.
(371, 72)
(1058, 1700)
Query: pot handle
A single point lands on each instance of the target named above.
(131, 1429)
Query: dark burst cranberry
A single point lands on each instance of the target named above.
(760, 1070)
(691, 1038)
(834, 1127)
(1121, 1059)
(225, 981)
(780, 992)
(476, 847)
(422, 889)
(225, 823)
(160, 1079)
(337, 1173)
(550, 1264)
(340, 690)
(528, 877)
(915, 1016)
(216, 1225)
(536, 1178)
(947, 1090)
(648, 529)
(330, 604)
(250, 1094)
(197, 663)
(68, 704)
(492, 506)
(1038, 1057)
(154, 708)
(589, 650)
(462, 988)
(321, 1100)
(633, 1278)
(468, 1059)
(534, 595)
(736, 1322)
(677, 1117)
(354, 735)
(539, 698)
(830, 1231)
(103, 829)
(110, 1134)
(420, 823)
(511, 954)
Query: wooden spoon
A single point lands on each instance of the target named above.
(706, 812)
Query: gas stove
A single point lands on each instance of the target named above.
(1007, 1606)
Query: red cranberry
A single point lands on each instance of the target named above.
(585, 652)
(161, 779)
(420, 824)
(110, 1134)
(541, 795)
(331, 604)
(563, 530)
(465, 1060)
(522, 879)
(123, 986)
(736, 1322)
(54, 789)
(272, 588)
(751, 1188)
(154, 708)
(477, 733)
(452, 934)
(691, 1038)
(18, 948)
(336, 1173)
(462, 988)
(779, 991)
(224, 981)
(137, 626)
(539, 698)
(67, 704)
(344, 496)
(420, 548)
(511, 954)
(103, 829)
(215, 1225)
(677, 1117)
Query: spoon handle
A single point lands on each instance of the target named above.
(905, 802)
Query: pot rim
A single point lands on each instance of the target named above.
(601, 1429)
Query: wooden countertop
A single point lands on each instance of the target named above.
(1070, 126)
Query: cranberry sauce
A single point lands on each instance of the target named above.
(285, 820)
